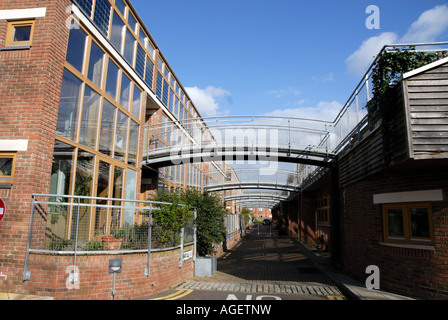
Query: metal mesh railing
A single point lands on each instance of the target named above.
(67, 224)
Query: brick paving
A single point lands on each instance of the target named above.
(265, 263)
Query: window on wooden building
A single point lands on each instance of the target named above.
(408, 223)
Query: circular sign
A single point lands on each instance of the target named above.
(2, 209)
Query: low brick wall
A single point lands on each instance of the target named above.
(50, 273)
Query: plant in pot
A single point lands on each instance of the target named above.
(210, 229)
(113, 241)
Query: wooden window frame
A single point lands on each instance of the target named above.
(407, 237)
(8, 180)
(12, 25)
(322, 211)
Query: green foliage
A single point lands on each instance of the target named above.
(388, 69)
(93, 245)
(170, 219)
(119, 233)
(247, 215)
(209, 221)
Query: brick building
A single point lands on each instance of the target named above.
(79, 82)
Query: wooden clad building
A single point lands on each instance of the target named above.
(389, 192)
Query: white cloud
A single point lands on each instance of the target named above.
(206, 100)
(431, 24)
(322, 111)
(361, 59)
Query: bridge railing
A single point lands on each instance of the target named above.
(270, 134)
(260, 134)
(262, 175)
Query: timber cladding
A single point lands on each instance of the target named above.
(427, 107)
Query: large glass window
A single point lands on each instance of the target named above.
(107, 128)
(102, 191)
(62, 168)
(116, 32)
(96, 64)
(121, 6)
(84, 174)
(89, 118)
(132, 22)
(137, 102)
(125, 92)
(83, 187)
(121, 136)
(128, 53)
(68, 106)
(133, 141)
(112, 80)
(76, 47)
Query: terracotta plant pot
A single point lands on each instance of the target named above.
(110, 243)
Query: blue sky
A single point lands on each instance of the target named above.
(280, 57)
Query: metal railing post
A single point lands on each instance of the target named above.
(195, 235)
(76, 243)
(148, 268)
(27, 274)
(181, 253)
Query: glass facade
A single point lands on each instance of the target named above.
(97, 134)
(100, 113)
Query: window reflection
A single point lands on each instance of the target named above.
(125, 94)
(96, 64)
(116, 32)
(76, 47)
(112, 80)
(61, 169)
(136, 104)
(133, 141)
(121, 136)
(395, 222)
(107, 128)
(89, 118)
(68, 105)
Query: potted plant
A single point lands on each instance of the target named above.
(210, 229)
(113, 241)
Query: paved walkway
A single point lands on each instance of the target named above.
(268, 264)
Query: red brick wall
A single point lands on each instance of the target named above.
(49, 275)
(414, 272)
(30, 82)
